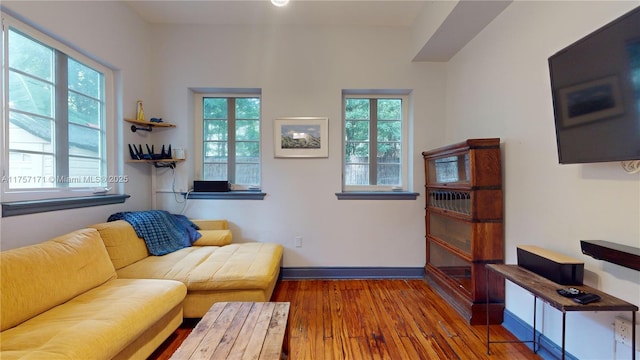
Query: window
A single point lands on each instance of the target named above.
(56, 107)
(375, 154)
(230, 137)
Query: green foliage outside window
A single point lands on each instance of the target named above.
(363, 116)
(231, 124)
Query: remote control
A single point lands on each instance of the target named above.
(586, 298)
(570, 292)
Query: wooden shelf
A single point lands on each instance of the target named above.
(159, 163)
(155, 161)
(147, 125)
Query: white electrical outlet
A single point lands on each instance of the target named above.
(298, 241)
(622, 331)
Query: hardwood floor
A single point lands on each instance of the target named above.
(375, 319)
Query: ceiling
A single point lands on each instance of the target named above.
(298, 12)
(449, 24)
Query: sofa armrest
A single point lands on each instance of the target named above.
(211, 224)
(214, 232)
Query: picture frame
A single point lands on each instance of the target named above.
(301, 137)
(590, 101)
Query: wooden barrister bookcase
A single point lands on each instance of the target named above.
(464, 227)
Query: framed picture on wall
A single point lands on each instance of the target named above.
(301, 137)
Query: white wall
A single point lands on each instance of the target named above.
(302, 71)
(114, 35)
(498, 85)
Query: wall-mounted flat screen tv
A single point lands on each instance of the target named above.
(595, 85)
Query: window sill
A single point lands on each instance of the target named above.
(227, 195)
(374, 195)
(16, 208)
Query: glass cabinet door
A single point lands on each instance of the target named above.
(451, 169)
(450, 200)
(454, 267)
(454, 232)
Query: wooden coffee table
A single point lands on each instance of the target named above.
(239, 330)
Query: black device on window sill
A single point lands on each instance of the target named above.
(210, 186)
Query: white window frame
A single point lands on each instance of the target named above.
(199, 140)
(101, 180)
(404, 162)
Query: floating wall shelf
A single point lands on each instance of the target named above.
(146, 125)
(155, 161)
(623, 255)
(159, 163)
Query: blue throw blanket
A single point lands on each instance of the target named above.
(162, 232)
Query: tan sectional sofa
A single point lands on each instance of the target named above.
(96, 293)
(213, 269)
(61, 299)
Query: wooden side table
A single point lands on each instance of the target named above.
(239, 330)
(545, 289)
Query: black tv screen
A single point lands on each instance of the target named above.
(595, 86)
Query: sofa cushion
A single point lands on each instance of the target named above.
(38, 277)
(122, 243)
(95, 325)
(162, 232)
(214, 238)
(234, 266)
(214, 232)
(211, 224)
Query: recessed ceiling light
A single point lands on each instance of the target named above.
(279, 2)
